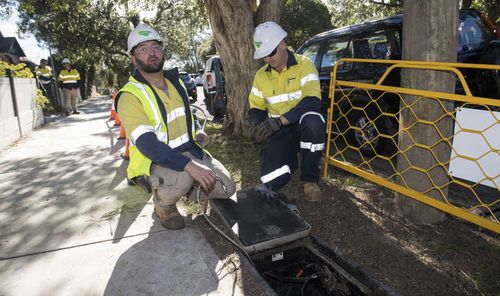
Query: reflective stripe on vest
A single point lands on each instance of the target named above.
(66, 76)
(152, 105)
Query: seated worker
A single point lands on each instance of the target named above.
(154, 109)
(285, 105)
(43, 72)
(45, 79)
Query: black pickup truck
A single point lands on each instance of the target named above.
(381, 39)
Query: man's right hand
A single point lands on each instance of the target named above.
(201, 174)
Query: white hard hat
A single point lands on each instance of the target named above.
(140, 34)
(66, 61)
(266, 38)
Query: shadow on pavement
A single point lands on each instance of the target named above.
(169, 263)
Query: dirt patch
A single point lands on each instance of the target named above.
(361, 220)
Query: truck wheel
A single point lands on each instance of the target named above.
(220, 105)
(365, 129)
(219, 112)
(209, 103)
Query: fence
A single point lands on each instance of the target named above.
(380, 139)
(19, 116)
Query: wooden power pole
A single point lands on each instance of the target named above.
(429, 34)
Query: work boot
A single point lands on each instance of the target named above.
(311, 191)
(170, 217)
(76, 112)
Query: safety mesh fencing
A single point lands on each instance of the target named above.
(448, 158)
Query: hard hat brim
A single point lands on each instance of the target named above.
(259, 54)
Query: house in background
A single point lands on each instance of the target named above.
(10, 50)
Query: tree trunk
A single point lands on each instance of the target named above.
(429, 34)
(233, 25)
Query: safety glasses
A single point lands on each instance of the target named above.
(144, 49)
(272, 53)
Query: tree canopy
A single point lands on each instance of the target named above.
(95, 32)
(350, 12)
(303, 19)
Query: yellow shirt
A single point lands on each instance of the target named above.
(278, 92)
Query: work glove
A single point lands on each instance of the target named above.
(266, 128)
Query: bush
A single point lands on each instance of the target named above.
(41, 100)
(19, 70)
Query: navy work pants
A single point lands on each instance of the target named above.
(279, 158)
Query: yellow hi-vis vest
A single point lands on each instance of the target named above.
(139, 164)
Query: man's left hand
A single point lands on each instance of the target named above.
(266, 128)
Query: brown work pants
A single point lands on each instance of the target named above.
(170, 185)
(70, 99)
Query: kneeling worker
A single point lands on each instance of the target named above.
(154, 109)
(285, 103)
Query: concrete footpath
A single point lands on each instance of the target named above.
(70, 224)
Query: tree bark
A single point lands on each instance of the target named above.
(233, 23)
(429, 31)
(270, 10)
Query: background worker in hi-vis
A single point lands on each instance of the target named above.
(69, 80)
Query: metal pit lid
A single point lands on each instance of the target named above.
(260, 223)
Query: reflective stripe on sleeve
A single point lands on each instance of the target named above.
(307, 78)
(257, 92)
(69, 81)
(284, 97)
(139, 131)
(275, 174)
(312, 147)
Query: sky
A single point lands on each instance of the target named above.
(28, 43)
